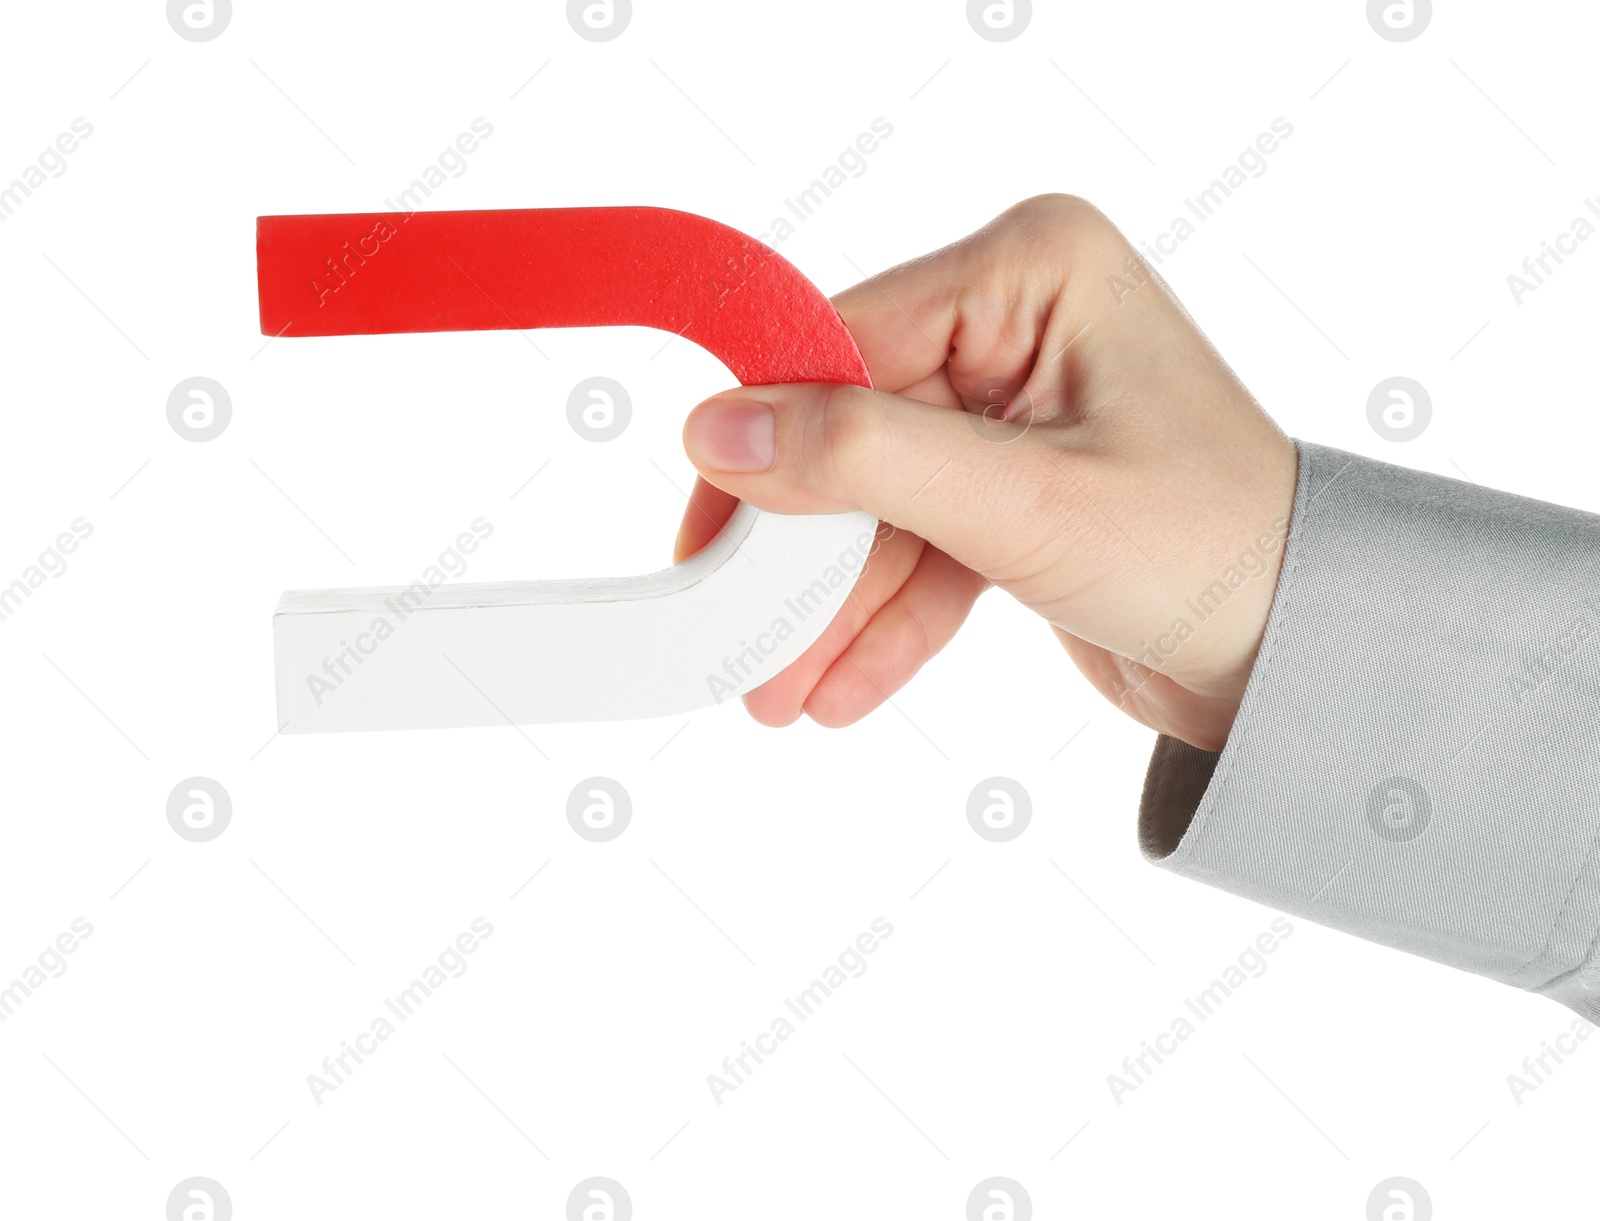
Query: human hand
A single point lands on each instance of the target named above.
(1038, 426)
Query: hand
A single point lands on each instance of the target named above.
(1047, 419)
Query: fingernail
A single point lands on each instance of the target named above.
(730, 436)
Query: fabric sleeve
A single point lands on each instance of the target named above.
(1417, 756)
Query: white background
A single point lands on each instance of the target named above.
(979, 1041)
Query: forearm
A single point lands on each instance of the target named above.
(1416, 759)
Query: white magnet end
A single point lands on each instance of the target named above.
(534, 652)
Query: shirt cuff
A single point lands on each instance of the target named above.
(1417, 756)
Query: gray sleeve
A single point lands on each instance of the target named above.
(1417, 757)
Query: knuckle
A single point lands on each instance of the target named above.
(1054, 205)
(917, 639)
(1065, 222)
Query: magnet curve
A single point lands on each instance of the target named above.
(528, 652)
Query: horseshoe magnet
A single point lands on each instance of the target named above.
(527, 652)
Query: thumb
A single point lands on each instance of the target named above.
(975, 488)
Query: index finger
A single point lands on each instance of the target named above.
(974, 312)
(903, 320)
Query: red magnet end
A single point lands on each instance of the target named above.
(521, 269)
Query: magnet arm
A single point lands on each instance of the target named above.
(527, 268)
